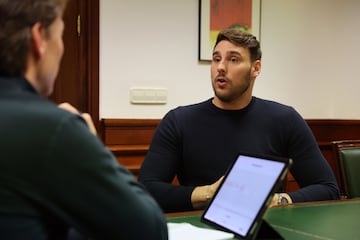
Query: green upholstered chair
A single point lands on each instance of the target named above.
(347, 155)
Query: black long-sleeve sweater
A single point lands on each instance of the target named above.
(198, 142)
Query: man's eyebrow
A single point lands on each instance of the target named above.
(215, 53)
(228, 53)
(234, 53)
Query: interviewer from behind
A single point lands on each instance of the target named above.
(55, 174)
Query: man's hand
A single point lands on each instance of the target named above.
(202, 195)
(85, 116)
(275, 201)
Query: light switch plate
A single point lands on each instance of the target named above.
(148, 95)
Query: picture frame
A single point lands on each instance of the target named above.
(214, 16)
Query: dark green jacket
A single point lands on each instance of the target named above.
(55, 175)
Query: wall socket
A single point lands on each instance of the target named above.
(148, 95)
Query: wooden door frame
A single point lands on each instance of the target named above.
(92, 62)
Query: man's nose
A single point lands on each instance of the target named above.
(221, 67)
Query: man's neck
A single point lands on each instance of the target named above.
(233, 105)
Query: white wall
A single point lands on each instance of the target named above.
(310, 56)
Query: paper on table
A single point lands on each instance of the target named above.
(186, 231)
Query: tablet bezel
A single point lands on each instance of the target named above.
(255, 225)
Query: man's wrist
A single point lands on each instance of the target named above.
(201, 196)
(208, 194)
(283, 199)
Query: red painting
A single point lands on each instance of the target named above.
(217, 15)
(230, 13)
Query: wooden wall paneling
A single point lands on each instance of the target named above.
(129, 140)
(328, 130)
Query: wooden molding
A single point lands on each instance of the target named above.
(92, 69)
(129, 140)
(128, 131)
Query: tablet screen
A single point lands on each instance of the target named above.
(244, 193)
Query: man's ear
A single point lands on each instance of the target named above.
(256, 68)
(38, 40)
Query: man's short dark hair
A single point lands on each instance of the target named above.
(242, 39)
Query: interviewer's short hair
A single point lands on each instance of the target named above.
(16, 20)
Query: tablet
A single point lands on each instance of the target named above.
(240, 202)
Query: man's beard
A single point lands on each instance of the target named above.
(234, 94)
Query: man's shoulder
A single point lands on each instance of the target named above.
(272, 105)
(188, 113)
(193, 107)
(35, 109)
(275, 110)
(47, 108)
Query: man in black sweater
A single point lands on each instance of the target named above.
(198, 142)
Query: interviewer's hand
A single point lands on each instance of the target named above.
(85, 116)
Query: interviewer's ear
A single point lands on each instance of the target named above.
(38, 39)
